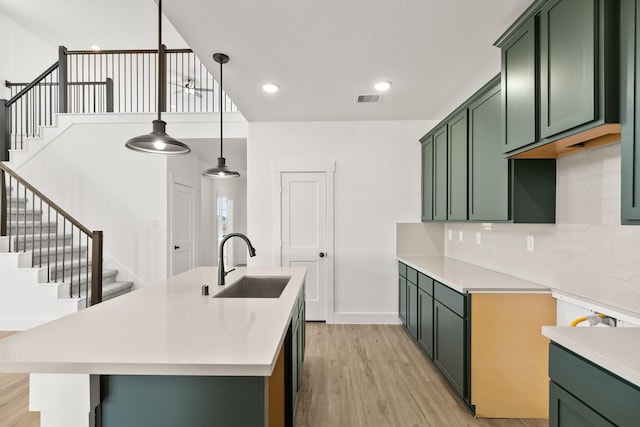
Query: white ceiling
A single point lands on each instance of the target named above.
(321, 53)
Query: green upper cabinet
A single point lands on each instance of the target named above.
(457, 167)
(488, 170)
(630, 114)
(568, 49)
(427, 178)
(560, 72)
(519, 88)
(440, 207)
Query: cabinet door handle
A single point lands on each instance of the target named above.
(176, 247)
(322, 254)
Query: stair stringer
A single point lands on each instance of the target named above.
(26, 300)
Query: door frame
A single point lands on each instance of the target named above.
(173, 179)
(328, 167)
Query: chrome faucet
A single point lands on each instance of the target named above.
(221, 272)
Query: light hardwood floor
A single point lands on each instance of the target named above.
(375, 376)
(354, 376)
(14, 400)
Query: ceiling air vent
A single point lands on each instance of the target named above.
(365, 99)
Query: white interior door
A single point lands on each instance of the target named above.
(181, 227)
(304, 234)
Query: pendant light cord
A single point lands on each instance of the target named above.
(220, 107)
(160, 58)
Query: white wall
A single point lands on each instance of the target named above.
(377, 183)
(90, 173)
(586, 253)
(24, 56)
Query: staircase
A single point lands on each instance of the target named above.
(45, 257)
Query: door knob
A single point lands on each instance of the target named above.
(176, 247)
(322, 254)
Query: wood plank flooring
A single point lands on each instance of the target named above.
(354, 376)
(375, 376)
(14, 400)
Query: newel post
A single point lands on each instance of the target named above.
(62, 79)
(5, 130)
(3, 204)
(96, 268)
(109, 89)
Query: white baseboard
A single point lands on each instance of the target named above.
(21, 324)
(366, 318)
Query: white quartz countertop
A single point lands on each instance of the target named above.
(615, 349)
(167, 328)
(469, 278)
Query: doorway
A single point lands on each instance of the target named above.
(306, 230)
(182, 222)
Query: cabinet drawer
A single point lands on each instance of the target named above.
(425, 283)
(450, 298)
(412, 275)
(610, 395)
(402, 269)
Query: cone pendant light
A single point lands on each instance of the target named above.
(158, 142)
(221, 170)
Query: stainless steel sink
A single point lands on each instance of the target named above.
(256, 287)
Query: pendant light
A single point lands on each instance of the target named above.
(221, 170)
(158, 142)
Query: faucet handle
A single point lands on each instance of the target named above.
(227, 272)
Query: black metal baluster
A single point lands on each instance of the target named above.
(79, 281)
(64, 248)
(70, 261)
(11, 217)
(24, 217)
(55, 265)
(48, 231)
(33, 227)
(49, 244)
(87, 272)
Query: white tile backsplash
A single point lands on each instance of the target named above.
(587, 252)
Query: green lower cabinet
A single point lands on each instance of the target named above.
(583, 394)
(295, 349)
(402, 299)
(412, 309)
(449, 346)
(567, 411)
(189, 401)
(425, 322)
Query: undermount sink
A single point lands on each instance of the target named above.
(256, 287)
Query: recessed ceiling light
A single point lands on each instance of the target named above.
(382, 86)
(270, 87)
(95, 47)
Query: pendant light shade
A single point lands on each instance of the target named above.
(221, 170)
(158, 142)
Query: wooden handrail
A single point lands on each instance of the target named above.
(120, 51)
(32, 84)
(45, 199)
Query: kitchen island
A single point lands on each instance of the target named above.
(165, 355)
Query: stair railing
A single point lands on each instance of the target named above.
(104, 81)
(54, 242)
